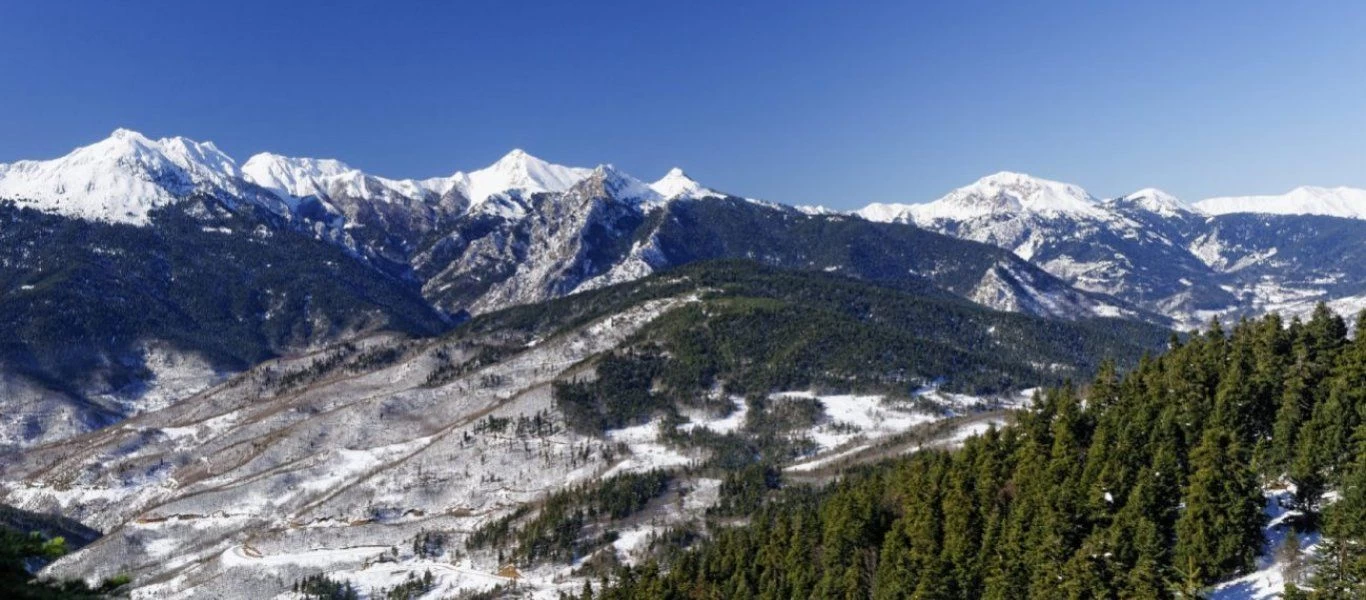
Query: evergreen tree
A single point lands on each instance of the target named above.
(1296, 405)
(1220, 530)
(1340, 567)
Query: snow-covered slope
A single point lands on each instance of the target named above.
(121, 178)
(1000, 194)
(618, 184)
(1157, 202)
(1343, 202)
(324, 476)
(292, 178)
(515, 172)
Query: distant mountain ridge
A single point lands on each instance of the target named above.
(520, 230)
(1192, 262)
(1021, 193)
(123, 176)
(1343, 202)
(1147, 249)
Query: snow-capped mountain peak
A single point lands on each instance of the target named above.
(880, 212)
(518, 171)
(622, 186)
(677, 185)
(1157, 201)
(1306, 200)
(131, 148)
(1012, 192)
(120, 178)
(1003, 194)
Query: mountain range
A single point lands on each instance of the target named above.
(281, 255)
(517, 379)
(118, 259)
(1184, 261)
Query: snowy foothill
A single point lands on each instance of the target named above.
(197, 495)
(858, 417)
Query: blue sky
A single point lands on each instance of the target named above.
(789, 101)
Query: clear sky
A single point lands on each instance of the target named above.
(822, 102)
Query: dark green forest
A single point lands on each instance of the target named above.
(556, 533)
(29, 539)
(757, 329)
(1144, 484)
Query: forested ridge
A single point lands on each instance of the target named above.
(758, 329)
(1145, 484)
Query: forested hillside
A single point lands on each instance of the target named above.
(540, 434)
(81, 295)
(103, 319)
(1147, 484)
(759, 329)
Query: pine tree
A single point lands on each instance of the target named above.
(1190, 581)
(1307, 473)
(1296, 405)
(962, 528)
(1234, 395)
(1325, 331)
(1219, 532)
(1147, 576)
(1089, 573)
(1340, 566)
